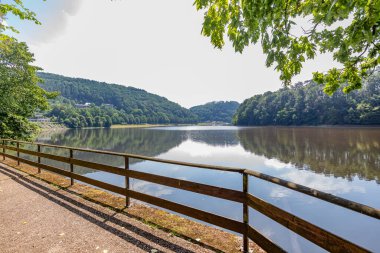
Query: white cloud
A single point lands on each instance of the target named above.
(150, 189)
(198, 149)
(323, 183)
(280, 192)
(55, 23)
(276, 164)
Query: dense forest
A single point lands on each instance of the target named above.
(216, 111)
(307, 104)
(87, 103)
(108, 104)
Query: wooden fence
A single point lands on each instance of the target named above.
(311, 232)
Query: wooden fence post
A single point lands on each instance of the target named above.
(3, 150)
(18, 153)
(71, 166)
(39, 158)
(127, 200)
(245, 214)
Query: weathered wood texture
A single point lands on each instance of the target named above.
(317, 235)
(354, 206)
(263, 242)
(311, 232)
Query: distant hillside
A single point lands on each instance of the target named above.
(307, 104)
(216, 111)
(113, 103)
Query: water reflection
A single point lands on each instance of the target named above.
(129, 140)
(341, 161)
(342, 152)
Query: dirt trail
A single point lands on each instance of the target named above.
(38, 217)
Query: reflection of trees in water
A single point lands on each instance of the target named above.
(214, 137)
(125, 140)
(341, 152)
(129, 140)
(148, 142)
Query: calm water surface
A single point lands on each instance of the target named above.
(341, 161)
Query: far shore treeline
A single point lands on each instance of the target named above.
(87, 103)
(307, 104)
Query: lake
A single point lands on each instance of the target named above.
(339, 160)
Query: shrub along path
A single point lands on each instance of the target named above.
(39, 217)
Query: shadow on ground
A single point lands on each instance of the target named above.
(78, 208)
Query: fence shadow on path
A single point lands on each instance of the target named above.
(76, 207)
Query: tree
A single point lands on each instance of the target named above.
(20, 95)
(98, 121)
(17, 8)
(306, 104)
(348, 29)
(107, 121)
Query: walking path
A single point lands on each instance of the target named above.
(38, 217)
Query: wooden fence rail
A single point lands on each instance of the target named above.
(309, 231)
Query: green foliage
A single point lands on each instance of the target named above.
(20, 95)
(307, 104)
(16, 8)
(111, 104)
(216, 111)
(348, 29)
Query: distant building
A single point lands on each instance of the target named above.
(108, 105)
(39, 120)
(39, 117)
(85, 105)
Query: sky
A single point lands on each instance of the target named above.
(148, 44)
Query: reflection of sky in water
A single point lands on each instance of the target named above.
(345, 223)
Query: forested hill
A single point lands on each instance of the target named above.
(307, 104)
(122, 104)
(216, 111)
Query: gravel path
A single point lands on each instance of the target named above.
(37, 217)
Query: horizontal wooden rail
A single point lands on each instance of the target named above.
(213, 191)
(214, 219)
(66, 173)
(147, 158)
(263, 242)
(352, 205)
(189, 186)
(311, 232)
(317, 235)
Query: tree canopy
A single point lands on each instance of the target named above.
(221, 111)
(292, 31)
(17, 8)
(20, 94)
(306, 104)
(110, 104)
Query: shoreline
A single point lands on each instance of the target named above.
(116, 126)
